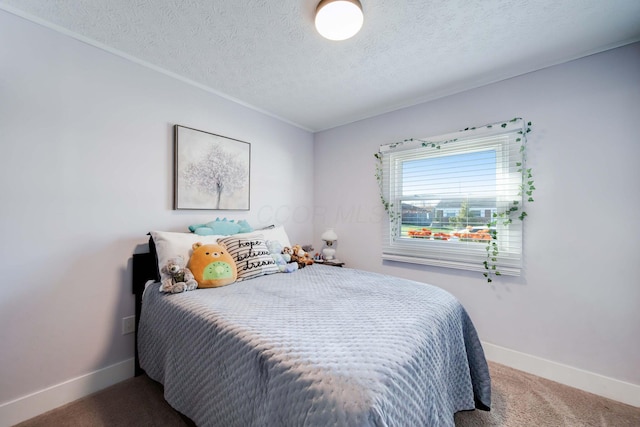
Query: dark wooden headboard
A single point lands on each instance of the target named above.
(144, 269)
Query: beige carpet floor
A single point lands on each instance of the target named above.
(519, 399)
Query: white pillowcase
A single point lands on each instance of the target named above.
(277, 233)
(171, 244)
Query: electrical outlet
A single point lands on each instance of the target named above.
(128, 325)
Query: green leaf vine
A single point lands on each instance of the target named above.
(515, 209)
(527, 188)
(388, 206)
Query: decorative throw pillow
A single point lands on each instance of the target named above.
(169, 244)
(251, 256)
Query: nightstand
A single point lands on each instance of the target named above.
(333, 263)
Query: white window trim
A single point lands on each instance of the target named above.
(453, 254)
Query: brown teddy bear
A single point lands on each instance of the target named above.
(181, 277)
(300, 256)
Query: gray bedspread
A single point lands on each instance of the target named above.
(322, 346)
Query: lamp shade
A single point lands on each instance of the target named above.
(339, 19)
(329, 235)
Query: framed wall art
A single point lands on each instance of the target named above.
(211, 171)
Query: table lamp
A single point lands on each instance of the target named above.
(329, 237)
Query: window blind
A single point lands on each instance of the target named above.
(446, 196)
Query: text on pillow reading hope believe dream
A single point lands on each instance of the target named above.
(249, 253)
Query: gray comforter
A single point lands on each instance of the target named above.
(322, 346)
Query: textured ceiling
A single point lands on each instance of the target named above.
(267, 55)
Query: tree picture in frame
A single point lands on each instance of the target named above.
(211, 171)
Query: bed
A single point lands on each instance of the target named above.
(321, 346)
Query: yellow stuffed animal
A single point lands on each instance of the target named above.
(212, 266)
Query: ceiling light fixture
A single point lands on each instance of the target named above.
(339, 19)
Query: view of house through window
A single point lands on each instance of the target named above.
(448, 196)
(442, 194)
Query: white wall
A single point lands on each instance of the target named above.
(577, 302)
(87, 158)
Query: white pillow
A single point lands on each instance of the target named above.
(277, 233)
(171, 244)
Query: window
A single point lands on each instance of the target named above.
(443, 194)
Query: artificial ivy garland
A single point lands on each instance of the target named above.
(516, 209)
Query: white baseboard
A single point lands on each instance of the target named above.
(584, 380)
(37, 403)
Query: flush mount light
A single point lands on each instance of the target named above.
(339, 19)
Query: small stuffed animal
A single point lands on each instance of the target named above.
(286, 253)
(181, 277)
(223, 227)
(275, 249)
(212, 266)
(300, 256)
